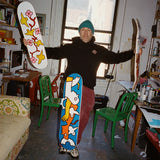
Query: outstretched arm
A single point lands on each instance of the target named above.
(115, 58)
(52, 52)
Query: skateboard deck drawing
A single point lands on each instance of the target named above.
(31, 32)
(139, 42)
(70, 114)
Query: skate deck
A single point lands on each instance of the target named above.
(70, 114)
(31, 32)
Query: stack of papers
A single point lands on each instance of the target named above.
(153, 119)
(24, 75)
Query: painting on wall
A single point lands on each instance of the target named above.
(42, 22)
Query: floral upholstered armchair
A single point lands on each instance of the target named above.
(14, 125)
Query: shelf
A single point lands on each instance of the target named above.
(155, 75)
(5, 4)
(155, 78)
(155, 56)
(5, 24)
(3, 63)
(6, 44)
(156, 37)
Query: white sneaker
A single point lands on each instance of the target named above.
(63, 150)
(74, 152)
(122, 123)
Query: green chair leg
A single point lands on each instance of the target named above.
(94, 125)
(126, 131)
(49, 109)
(41, 115)
(113, 133)
(106, 125)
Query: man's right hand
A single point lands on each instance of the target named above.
(25, 42)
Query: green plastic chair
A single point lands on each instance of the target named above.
(122, 112)
(46, 96)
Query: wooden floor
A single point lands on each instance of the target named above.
(42, 142)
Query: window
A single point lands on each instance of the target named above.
(102, 15)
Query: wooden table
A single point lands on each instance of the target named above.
(137, 124)
(25, 77)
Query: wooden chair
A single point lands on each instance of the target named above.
(55, 86)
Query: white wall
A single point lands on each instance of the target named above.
(144, 10)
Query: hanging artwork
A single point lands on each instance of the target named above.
(42, 22)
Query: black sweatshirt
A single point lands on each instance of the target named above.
(85, 58)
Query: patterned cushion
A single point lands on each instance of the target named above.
(14, 125)
(12, 105)
(11, 130)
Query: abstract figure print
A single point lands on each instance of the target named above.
(70, 114)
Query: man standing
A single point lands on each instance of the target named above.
(84, 58)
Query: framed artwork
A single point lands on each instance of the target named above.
(42, 22)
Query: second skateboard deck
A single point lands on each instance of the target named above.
(31, 32)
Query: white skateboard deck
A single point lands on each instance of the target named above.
(31, 32)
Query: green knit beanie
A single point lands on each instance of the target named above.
(87, 24)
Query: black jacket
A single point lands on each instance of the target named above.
(84, 58)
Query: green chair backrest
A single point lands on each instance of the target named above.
(45, 88)
(126, 104)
